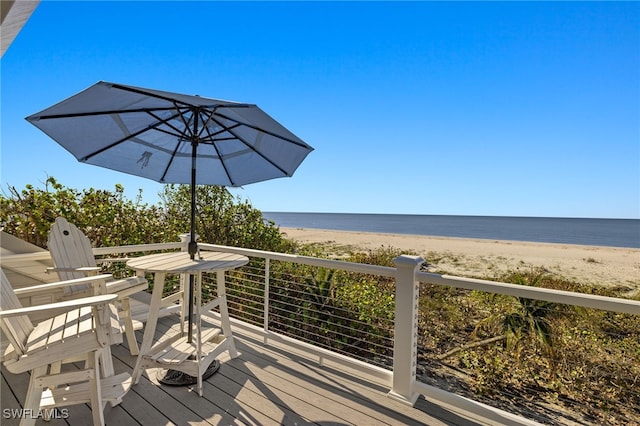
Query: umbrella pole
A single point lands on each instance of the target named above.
(193, 245)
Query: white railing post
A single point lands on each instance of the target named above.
(405, 342)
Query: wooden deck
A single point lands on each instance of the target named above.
(265, 385)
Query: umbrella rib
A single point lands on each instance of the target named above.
(259, 129)
(210, 136)
(252, 148)
(173, 156)
(205, 126)
(104, 148)
(224, 166)
(108, 112)
(206, 119)
(227, 104)
(133, 135)
(215, 147)
(179, 133)
(187, 127)
(146, 93)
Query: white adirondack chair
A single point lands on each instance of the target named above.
(83, 331)
(73, 258)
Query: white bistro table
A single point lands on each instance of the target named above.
(174, 351)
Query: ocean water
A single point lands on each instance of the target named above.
(596, 232)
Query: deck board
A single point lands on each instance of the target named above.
(264, 385)
(331, 391)
(8, 400)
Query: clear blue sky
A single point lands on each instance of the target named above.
(505, 108)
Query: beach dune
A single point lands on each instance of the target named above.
(476, 258)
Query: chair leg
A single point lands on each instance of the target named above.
(95, 389)
(128, 327)
(107, 370)
(106, 362)
(55, 368)
(34, 395)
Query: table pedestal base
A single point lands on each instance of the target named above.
(179, 378)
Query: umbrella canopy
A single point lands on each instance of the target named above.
(151, 133)
(172, 138)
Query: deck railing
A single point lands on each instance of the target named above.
(292, 299)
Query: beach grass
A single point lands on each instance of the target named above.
(560, 364)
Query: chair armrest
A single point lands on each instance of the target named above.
(67, 305)
(24, 291)
(73, 269)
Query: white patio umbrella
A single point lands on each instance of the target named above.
(173, 138)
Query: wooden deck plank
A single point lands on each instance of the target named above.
(173, 409)
(125, 413)
(291, 394)
(242, 381)
(255, 360)
(18, 384)
(153, 405)
(324, 388)
(262, 386)
(234, 402)
(208, 412)
(202, 406)
(245, 404)
(276, 397)
(7, 399)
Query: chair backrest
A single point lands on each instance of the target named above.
(15, 328)
(23, 271)
(70, 248)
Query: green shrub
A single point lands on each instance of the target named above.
(221, 218)
(108, 218)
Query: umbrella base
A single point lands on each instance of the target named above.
(178, 378)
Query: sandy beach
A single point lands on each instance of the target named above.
(608, 266)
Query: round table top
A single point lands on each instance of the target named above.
(180, 262)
